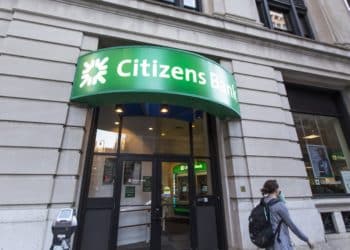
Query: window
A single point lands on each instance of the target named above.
(324, 152)
(188, 4)
(328, 223)
(346, 218)
(280, 20)
(285, 15)
(321, 123)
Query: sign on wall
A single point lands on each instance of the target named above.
(129, 191)
(320, 163)
(137, 74)
(147, 184)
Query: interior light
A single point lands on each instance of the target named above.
(118, 109)
(150, 128)
(116, 123)
(312, 136)
(162, 134)
(193, 126)
(164, 109)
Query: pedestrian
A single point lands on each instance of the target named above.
(279, 213)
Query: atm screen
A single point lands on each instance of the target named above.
(65, 215)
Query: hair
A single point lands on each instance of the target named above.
(270, 186)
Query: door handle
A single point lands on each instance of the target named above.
(156, 213)
(203, 199)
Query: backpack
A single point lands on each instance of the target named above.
(260, 227)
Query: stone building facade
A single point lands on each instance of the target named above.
(276, 69)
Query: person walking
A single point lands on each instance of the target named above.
(280, 214)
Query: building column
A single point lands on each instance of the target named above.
(41, 132)
(264, 145)
(72, 153)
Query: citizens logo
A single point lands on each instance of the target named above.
(94, 72)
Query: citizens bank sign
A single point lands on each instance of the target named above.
(149, 74)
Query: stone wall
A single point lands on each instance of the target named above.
(264, 145)
(41, 133)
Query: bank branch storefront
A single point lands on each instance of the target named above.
(152, 177)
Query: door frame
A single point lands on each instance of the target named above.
(216, 182)
(156, 207)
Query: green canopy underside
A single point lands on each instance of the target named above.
(194, 102)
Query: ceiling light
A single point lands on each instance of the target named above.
(118, 109)
(312, 136)
(164, 109)
(193, 126)
(150, 128)
(116, 123)
(162, 134)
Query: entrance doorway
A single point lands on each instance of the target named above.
(157, 213)
(153, 183)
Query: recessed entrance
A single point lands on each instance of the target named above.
(155, 215)
(152, 181)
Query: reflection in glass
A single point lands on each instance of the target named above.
(106, 141)
(200, 136)
(346, 219)
(202, 171)
(150, 135)
(102, 172)
(107, 133)
(134, 229)
(325, 152)
(190, 3)
(175, 206)
(280, 20)
(328, 223)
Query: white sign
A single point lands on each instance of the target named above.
(320, 163)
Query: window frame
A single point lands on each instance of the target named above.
(304, 30)
(288, 15)
(180, 4)
(330, 103)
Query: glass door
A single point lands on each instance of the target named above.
(134, 227)
(175, 206)
(155, 207)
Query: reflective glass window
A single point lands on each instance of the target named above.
(190, 3)
(328, 223)
(134, 229)
(325, 153)
(107, 131)
(346, 218)
(150, 135)
(102, 173)
(280, 20)
(200, 136)
(202, 170)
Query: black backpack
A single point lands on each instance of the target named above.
(260, 227)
